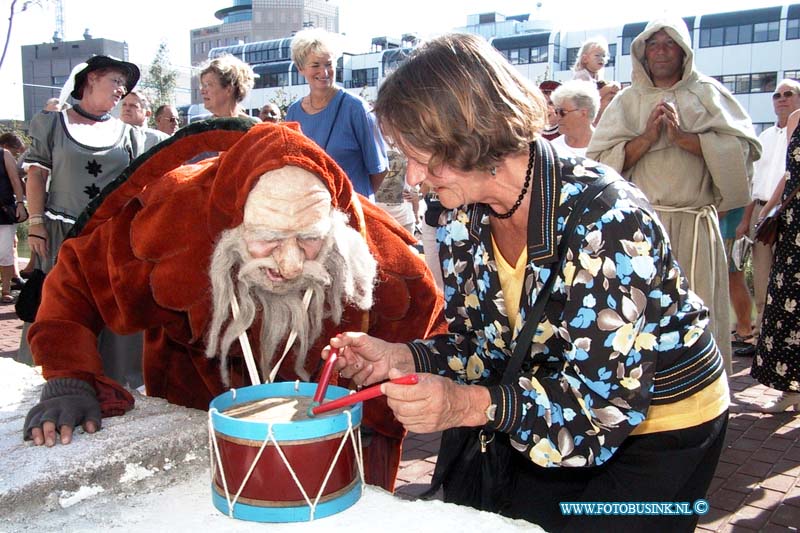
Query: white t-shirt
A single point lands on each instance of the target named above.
(768, 170)
(565, 150)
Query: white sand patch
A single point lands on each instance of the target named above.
(136, 473)
(68, 499)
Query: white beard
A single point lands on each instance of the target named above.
(343, 274)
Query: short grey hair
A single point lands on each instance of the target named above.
(582, 94)
(794, 84)
(315, 41)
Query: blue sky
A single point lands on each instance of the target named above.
(145, 23)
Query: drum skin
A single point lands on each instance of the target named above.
(271, 493)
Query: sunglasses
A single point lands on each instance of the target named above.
(785, 94)
(562, 113)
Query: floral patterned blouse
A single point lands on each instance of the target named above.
(620, 332)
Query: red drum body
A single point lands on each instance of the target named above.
(284, 471)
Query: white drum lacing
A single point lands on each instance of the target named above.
(216, 459)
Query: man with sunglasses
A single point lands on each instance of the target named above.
(766, 174)
(687, 143)
(167, 119)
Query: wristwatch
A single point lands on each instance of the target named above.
(491, 412)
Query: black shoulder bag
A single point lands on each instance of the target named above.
(474, 466)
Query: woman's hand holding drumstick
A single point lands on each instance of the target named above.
(366, 360)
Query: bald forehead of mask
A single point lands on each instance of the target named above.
(289, 201)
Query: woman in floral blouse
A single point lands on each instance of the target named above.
(621, 395)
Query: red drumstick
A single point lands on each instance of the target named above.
(362, 396)
(319, 395)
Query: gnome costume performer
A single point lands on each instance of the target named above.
(267, 221)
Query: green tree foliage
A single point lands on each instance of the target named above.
(161, 79)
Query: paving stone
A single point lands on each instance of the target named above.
(752, 517)
(764, 498)
(779, 482)
(787, 515)
(755, 468)
(743, 483)
(728, 500)
(776, 443)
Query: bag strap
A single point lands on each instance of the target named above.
(525, 337)
(785, 203)
(333, 123)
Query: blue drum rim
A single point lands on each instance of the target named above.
(301, 513)
(311, 428)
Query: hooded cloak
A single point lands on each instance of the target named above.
(686, 189)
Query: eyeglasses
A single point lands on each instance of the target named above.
(563, 113)
(785, 94)
(174, 120)
(119, 82)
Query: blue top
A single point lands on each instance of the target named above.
(355, 142)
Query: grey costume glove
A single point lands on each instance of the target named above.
(65, 402)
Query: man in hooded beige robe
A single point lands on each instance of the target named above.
(685, 141)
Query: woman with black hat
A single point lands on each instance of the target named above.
(81, 149)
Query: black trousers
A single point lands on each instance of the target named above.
(672, 466)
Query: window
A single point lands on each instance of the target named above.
(792, 74)
(612, 55)
(273, 79)
(766, 31)
(741, 34)
(297, 78)
(59, 81)
(365, 77)
(523, 56)
(792, 29)
(626, 44)
(572, 56)
(759, 82)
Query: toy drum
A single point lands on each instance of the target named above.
(272, 463)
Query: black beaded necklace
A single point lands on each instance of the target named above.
(85, 114)
(524, 189)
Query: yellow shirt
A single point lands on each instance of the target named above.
(511, 281)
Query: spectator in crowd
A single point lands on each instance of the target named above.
(53, 104)
(14, 144)
(341, 123)
(615, 392)
(270, 112)
(391, 195)
(589, 66)
(167, 119)
(135, 112)
(550, 130)
(767, 172)
(689, 146)
(576, 104)
(777, 361)
(81, 150)
(428, 228)
(272, 220)
(224, 82)
(12, 210)
(742, 304)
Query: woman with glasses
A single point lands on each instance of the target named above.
(575, 355)
(80, 150)
(576, 103)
